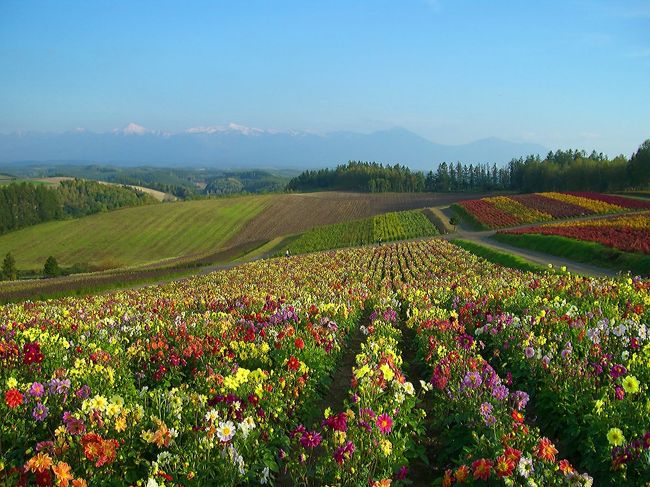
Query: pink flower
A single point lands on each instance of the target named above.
(384, 423)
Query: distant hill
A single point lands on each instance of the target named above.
(244, 147)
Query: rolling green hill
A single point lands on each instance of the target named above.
(133, 236)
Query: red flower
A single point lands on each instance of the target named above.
(504, 466)
(13, 398)
(512, 454)
(565, 467)
(299, 343)
(545, 450)
(482, 469)
(32, 353)
(293, 363)
(517, 416)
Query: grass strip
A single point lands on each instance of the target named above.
(498, 257)
(579, 251)
(467, 219)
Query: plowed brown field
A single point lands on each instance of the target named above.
(294, 213)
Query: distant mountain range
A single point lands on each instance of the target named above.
(236, 146)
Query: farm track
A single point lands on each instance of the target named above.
(483, 238)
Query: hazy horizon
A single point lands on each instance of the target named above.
(558, 74)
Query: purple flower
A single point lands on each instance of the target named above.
(40, 412)
(485, 409)
(521, 399)
(500, 392)
(37, 389)
(472, 380)
(75, 426)
(529, 352)
(83, 392)
(402, 472)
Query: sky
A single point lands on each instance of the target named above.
(565, 74)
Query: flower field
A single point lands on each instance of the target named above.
(386, 227)
(505, 211)
(466, 372)
(630, 233)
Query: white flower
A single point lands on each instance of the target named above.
(525, 467)
(266, 475)
(152, 482)
(226, 430)
(212, 415)
(408, 388)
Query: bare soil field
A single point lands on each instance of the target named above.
(294, 213)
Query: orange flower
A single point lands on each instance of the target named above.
(546, 450)
(79, 483)
(62, 472)
(39, 463)
(461, 474)
(448, 479)
(162, 436)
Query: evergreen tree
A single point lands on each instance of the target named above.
(9, 270)
(51, 267)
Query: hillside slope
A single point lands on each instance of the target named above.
(134, 235)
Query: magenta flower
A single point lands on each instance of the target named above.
(384, 423)
(617, 371)
(310, 439)
(344, 452)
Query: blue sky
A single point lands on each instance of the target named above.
(561, 73)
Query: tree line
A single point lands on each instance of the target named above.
(25, 204)
(558, 171)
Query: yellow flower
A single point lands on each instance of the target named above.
(387, 371)
(631, 384)
(598, 406)
(386, 447)
(615, 437)
(12, 382)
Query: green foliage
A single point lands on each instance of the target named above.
(51, 267)
(639, 166)
(586, 252)
(23, 205)
(498, 257)
(9, 270)
(380, 228)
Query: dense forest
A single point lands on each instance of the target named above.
(560, 170)
(24, 204)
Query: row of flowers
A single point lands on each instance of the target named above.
(371, 439)
(578, 346)
(505, 211)
(630, 233)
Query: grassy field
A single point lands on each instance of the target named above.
(380, 228)
(497, 257)
(579, 251)
(134, 236)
